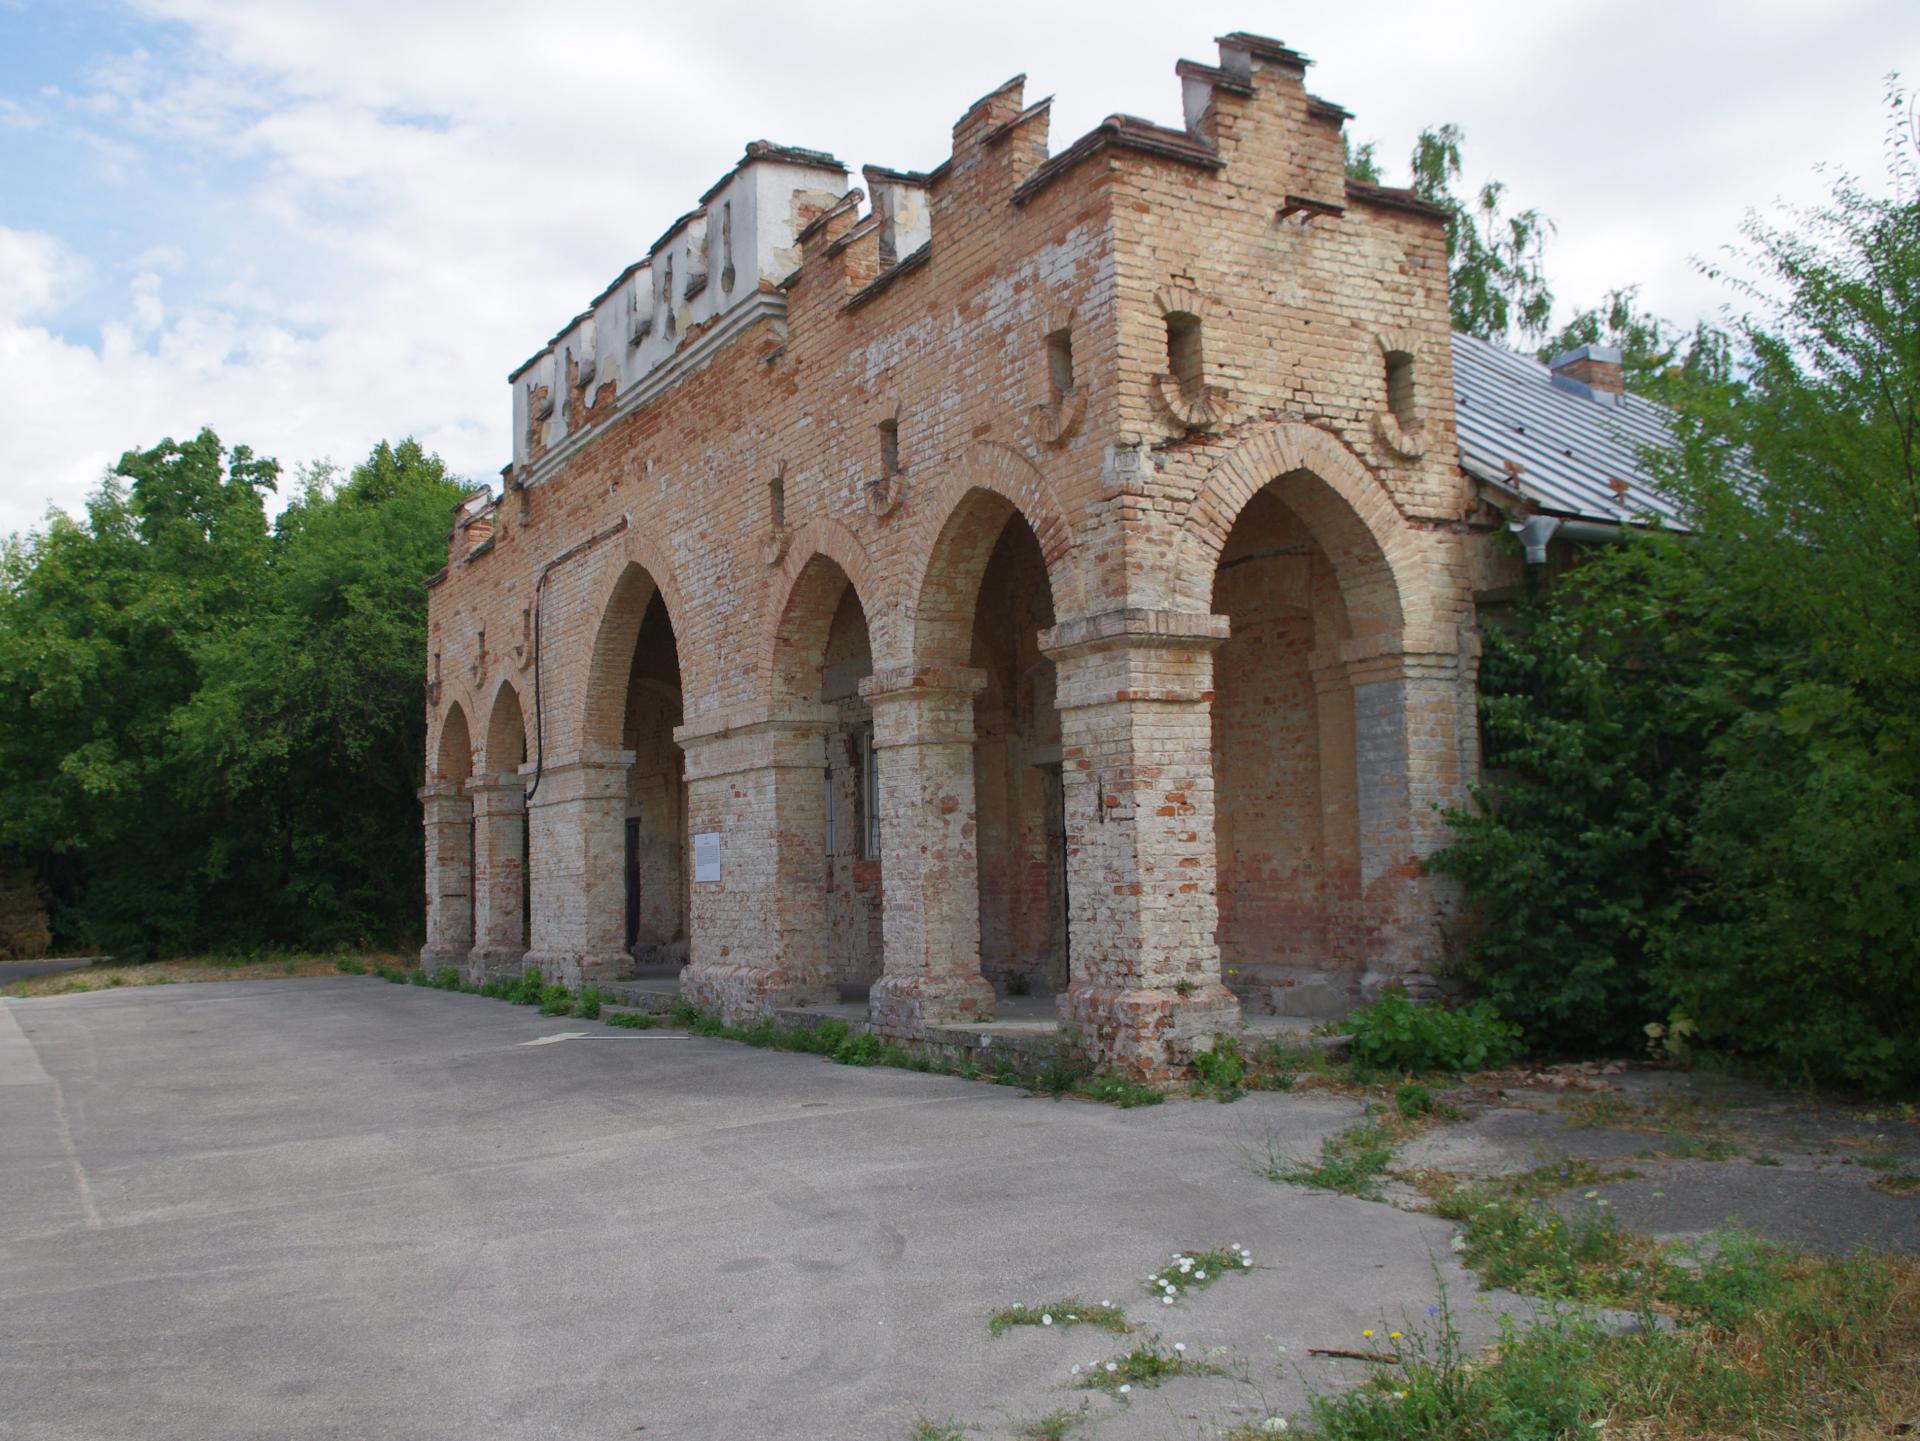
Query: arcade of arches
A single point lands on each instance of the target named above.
(1018, 815)
(1038, 586)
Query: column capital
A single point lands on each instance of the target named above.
(791, 740)
(1134, 627)
(1391, 655)
(934, 684)
(504, 783)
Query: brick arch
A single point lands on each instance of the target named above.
(508, 742)
(628, 578)
(1341, 501)
(453, 745)
(824, 556)
(959, 522)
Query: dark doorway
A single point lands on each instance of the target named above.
(632, 868)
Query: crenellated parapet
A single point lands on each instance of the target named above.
(714, 272)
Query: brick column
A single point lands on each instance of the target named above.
(1408, 697)
(499, 874)
(923, 745)
(577, 817)
(449, 828)
(759, 931)
(1135, 693)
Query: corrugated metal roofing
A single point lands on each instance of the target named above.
(1524, 429)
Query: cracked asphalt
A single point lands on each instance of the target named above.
(339, 1208)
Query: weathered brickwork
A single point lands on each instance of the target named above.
(1047, 578)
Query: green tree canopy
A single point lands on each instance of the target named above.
(1711, 743)
(210, 729)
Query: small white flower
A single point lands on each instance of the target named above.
(1106, 1303)
(1238, 1247)
(1071, 1316)
(1246, 1260)
(1125, 1389)
(1166, 1300)
(1592, 1194)
(1113, 1366)
(1179, 1345)
(1199, 1275)
(1458, 1243)
(1274, 1425)
(1046, 1320)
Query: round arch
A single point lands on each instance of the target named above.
(1374, 553)
(453, 747)
(506, 745)
(823, 559)
(627, 580)
(960, 525)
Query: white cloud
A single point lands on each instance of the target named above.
(371, 211)
(38, 273)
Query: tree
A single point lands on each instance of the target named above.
(210, 730)
(1750, 692)
(1363, 164)
(1655, 356)
(1495, 261)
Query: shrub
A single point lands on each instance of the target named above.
(555, 1001)
(1397, 1034)
(1221, 1071)
(525, 991)
(861, 1050)
(588, 1006)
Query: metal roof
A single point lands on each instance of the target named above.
(1555, 442)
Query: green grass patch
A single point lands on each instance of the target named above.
(1351, 1162)
(1144, 1367)
(1056, 1425)
(630, 1020)
(1226, 1072)
(1061, 1315)
(1770, 1346)
(1191, 1271)
(1112, 1088)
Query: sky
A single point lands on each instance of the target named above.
(313, 226)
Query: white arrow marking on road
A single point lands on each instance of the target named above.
(589, 1036)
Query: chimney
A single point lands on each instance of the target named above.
(1594, 368)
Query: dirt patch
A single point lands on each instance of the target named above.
(99, 977)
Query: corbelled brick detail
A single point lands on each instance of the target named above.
(1029, 585)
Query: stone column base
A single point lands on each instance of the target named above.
(568, 968)
(494, 963)
(739, 993)
(432, 958)
(905, 1006)
(1149, 1032)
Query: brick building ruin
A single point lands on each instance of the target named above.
(1049, 575)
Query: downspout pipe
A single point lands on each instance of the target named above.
(1536, 531)
(539, 594)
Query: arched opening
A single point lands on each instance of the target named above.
(654, 846)
(454, 760)
(987, 597)
(502, 885)
(1017, 783)
(1298, 575)
(824, 651)
(506, 733)
(449, 837)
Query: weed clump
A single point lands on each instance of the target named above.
(1067, 1312)
(1396, 1034)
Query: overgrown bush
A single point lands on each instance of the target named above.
(1704, 789)
(1396, 1034)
